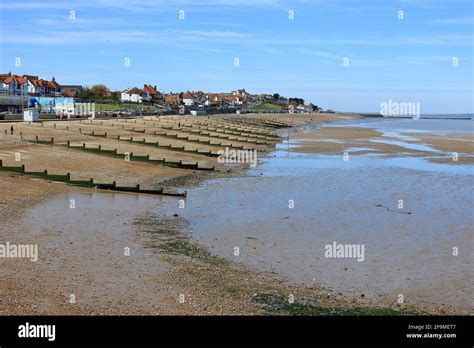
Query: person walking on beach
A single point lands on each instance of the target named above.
(11, 130)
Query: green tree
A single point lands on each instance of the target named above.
(99, 91)
(85, 94)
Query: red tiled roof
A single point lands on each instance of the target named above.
(20, 79)
(7, 79)
(151, 90)
(35, 81)
(134, 90)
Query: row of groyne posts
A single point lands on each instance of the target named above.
(88, 183)
(129, 156)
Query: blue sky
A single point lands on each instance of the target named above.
(406, 60)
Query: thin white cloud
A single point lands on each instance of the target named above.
(455, 21)
(141, 6)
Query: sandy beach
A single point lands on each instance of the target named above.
(173, 267)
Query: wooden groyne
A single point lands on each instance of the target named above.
(146, 158)
(89, 183)
(128, 155)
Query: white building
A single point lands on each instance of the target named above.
(135, 95)
(189, 99)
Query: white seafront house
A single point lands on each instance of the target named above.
(189, 99)
(134, 95)
(13, 85)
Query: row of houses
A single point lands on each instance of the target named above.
(150, 94)
(30, 85)
(201, 99)
(23, 85)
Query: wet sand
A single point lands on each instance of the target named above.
(170, 257)
(361, 141)
(410, 248)
(81, 250)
